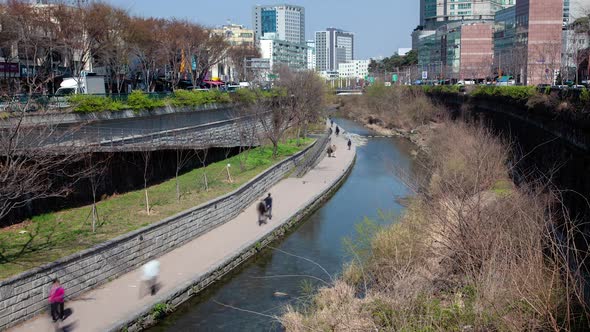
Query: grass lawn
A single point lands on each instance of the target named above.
(48, 237)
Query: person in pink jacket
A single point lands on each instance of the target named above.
(56, 300)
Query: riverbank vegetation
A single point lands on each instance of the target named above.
(391, 108)
(48, 237)
(549, 100)
(471, 253)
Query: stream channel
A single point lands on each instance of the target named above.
(371, 191)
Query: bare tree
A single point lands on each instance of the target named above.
(276, 116)
(209, 53)
(308, 95)
(202, 156)
(110, 51)
(239, 56)
(183, 157)
(146, 158)
(95, 173)
(36, 162)
(143, 40)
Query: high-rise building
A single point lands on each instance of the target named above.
(539, 39)
(434, 13)
(311, 55)
(287, 22)
(333, 46)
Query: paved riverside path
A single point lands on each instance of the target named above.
(99, 309)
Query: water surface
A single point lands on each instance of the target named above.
(371, 190)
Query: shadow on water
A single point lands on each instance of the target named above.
(371, 187)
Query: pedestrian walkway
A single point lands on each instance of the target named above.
(119, 299)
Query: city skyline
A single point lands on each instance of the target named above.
(399, 19)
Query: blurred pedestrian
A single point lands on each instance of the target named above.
(261, 213)
(331, 123)
(334, 150)
(337, 131)
(268, 203)
(349, 143)
(150, 273)
(56, 300)
(329, 151)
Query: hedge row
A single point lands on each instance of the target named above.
(138, 100)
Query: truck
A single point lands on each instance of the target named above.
(88, 84)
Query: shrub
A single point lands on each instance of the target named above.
(92, 103)
(520, 93)
(244, 96)
(138, 100)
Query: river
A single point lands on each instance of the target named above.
(371, 190)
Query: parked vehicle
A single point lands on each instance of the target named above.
(88, 84)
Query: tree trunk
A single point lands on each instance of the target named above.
(147, 200)
(205, 181)
(275, 149)
(94, 211)
(177, 187)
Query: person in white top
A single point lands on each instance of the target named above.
(149, 278)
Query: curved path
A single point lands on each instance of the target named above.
(106, 307)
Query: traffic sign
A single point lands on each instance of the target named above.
(394, 78)
(424, 75)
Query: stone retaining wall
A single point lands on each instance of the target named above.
(78, 117)
(25, 295)
(144, 318)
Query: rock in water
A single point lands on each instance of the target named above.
(280, 294)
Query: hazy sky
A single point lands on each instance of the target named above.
(381, 26)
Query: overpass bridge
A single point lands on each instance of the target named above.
(349, 92)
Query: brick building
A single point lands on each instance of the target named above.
(539, 39)
(476, 51)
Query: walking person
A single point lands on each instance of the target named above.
(261, 213)
(56, 300)
(337, 131)
(268, 204)
(349, 143)
(329, 151)
(334, 150)
(150, 273)
(331, 123)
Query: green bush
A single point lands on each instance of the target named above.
(244, 96)
(138, 100)
(183, 98)
(93, 103)
(441, 88)
(520, 93)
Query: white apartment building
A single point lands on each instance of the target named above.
(333, 46)
(282, 52)
(354, 69)
(286, 22)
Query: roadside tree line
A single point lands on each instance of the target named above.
(57, 40)
(33, 168)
